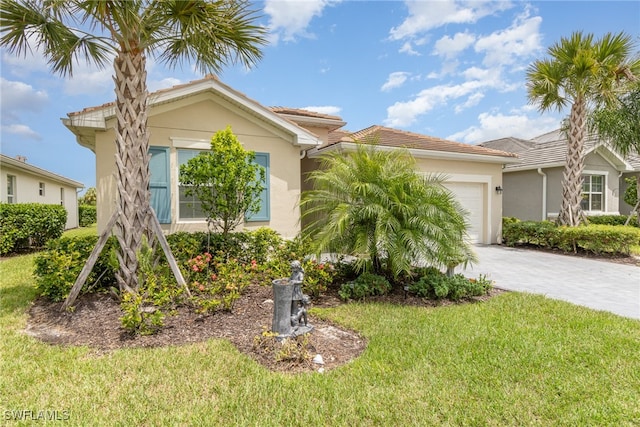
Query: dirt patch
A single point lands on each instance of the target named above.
(95, 323)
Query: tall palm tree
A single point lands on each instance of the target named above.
(374, 205)
(208, 33)
(582, 73)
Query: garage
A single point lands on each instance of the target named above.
(470, 196)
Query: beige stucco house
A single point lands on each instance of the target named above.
(21, 182)
(533, 187)
(182, 120)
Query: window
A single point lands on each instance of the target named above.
(189, 207)
(11, 189)
(61, 196)
(593, 193)
(41, 189)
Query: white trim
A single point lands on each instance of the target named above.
(190, 143)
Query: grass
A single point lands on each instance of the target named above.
(516, 359)
(82, 231)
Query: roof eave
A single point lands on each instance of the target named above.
(39, 171)
(420, 153)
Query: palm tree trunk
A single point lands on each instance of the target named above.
(132, 163)
(570, 211)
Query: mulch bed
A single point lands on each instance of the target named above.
(95, 322)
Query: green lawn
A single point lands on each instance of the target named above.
(514, 360)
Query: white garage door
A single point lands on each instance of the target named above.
(469, 194)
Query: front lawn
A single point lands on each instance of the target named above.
(515, 359)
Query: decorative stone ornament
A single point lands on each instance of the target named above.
(290, 304)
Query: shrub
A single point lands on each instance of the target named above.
(539, 233)
(58, 267)
(87, 215)
(598, 239)
(435, 284)
(366, 285)
(29, 224)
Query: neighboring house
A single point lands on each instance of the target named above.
(21, 182)
(533, 187)
(182, 120)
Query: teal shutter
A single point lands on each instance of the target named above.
(264, 214)
(159, 183)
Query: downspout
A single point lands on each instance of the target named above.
(544, 194)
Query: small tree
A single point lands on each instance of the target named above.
(89, 198)
(226, 180)
(376, 206)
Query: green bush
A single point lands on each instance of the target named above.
(538, 233)
(598, 239)
(612, 220)
(58, 267)
(434, 284)
(87, 215)
(366, 285)
(29, 225)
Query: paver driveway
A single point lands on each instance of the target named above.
(600, 285)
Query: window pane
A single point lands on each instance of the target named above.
(584, 204)
(596, 184)
(596, 202)
(586, 184)
(189, 206)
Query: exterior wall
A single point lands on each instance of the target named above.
(190, 123)
(28, 191)
(522, 196)
(487, 174)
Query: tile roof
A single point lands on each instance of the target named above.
(398, 138)
(549, 149)
(151, 94)
(303, 113)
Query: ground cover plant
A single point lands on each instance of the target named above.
(514, 359)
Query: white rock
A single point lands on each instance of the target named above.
(318, 359)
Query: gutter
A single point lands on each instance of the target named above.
(544, 193)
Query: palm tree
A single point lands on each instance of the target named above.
(210, 34)
(585, 74)
(374, 205)
(620, 127)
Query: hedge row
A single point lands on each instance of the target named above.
(29, 225)
(597, 239)
(612, 220)
(87, 215)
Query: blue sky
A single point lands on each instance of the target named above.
(450, 69)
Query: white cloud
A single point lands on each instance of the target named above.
(88, 80)
(22, 130)
(426, 15)
(18, 96)
(521, 40)
(450, 47)
(471, 101)
(395, 79)
(290, 18)
(154, 85)
(407, 48)
(331, 110)
(497, 125)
